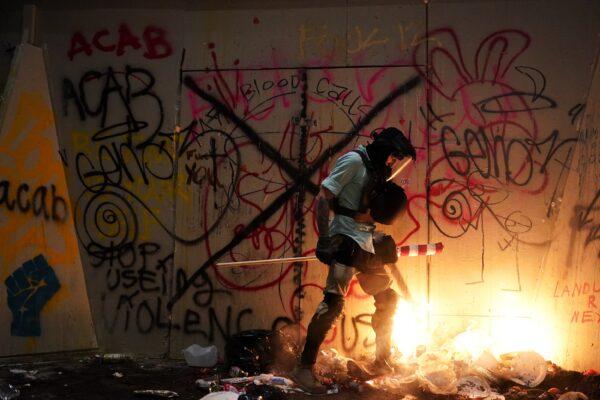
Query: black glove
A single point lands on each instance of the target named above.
(385, 248)
(323, 250)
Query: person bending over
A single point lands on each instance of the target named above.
(359, 193)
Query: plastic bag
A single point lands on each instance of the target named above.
(473, 387)
(396, 384)
(526, 368)
(436, 374)
(221, 396)
(198, 356)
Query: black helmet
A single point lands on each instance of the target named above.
(394, 140)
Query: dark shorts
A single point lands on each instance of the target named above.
(346, 251)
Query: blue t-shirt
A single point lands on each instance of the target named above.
(346, 181)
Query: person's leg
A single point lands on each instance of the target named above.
(338, 280)
(383, 321)
(377, 283)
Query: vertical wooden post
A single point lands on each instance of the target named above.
(29, 31)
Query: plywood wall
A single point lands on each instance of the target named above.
(44, 306)
(570, 289)
(500, 88)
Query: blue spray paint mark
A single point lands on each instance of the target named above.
(28, 290)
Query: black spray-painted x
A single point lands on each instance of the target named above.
(300, 180)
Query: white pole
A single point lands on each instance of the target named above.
(264, 262)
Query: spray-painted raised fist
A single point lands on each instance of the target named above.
(28, 289)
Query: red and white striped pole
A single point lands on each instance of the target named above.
(413, 250)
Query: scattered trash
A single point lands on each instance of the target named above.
(237, 371)
(356, 386)
(215, 387)
(268, 379)
(436, 373)
(8, 392)
(29, 375)
(526, 368)
(118, 374)
(251, 350)
(330, 364)
(221, 396)
(198, 356)
(333, 389)
(230, 388)
(207, 384)
(573, 396)
(239, 379)
(267, 392)
(396, 384)
(473, 387)
(18, 371)
(516, 392)
(287, 344)
(202, 384)
(410, 397)
(165, 394)
(115, 358)
(486, 360)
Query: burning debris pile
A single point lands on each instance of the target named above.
(443, 371)
(430, 375)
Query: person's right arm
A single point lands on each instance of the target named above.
(324, 199)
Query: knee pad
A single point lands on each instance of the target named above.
(386, 300)
(331, 306)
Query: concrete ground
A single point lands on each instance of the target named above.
(89, 377)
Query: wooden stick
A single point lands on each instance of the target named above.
(264, 262)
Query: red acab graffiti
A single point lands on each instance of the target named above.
(155, 43)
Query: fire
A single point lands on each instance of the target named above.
(515, 326)
(410, 328)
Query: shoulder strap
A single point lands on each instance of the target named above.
(366, 161)
(364, 199)
(371, 183)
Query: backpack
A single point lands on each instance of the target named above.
(384, 200)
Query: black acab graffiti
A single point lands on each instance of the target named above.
(126, 153)
(38, 201)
